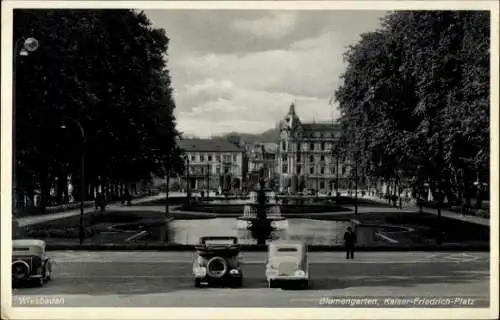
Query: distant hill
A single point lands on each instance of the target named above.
(271, 135)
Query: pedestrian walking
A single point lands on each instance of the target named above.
(100, 202)
(349, 243)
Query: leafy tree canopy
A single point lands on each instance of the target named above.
(106, 69)
(415, 99)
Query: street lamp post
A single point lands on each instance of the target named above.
(400, 182)
(208, 180)
(337, 177)
(186, 157)
(82, 186)
(356, 184)
(22, 46)
(167, 185)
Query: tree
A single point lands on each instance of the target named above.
(106, 69)
(415, 100)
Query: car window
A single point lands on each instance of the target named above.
(21, 249)
(287, 249)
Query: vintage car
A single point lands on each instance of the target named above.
(287, 261)
(217, 262)
(30, 263)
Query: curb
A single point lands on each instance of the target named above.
(249, 248)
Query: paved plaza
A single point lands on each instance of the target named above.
(164, 279)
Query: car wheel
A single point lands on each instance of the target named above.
(197, 283)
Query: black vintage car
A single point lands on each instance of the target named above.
(217, 262)
(30, 263)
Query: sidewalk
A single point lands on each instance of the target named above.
(31, 220)
(444, 212)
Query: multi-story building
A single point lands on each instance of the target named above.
(306, 155)
(214, 164)
(262, 156)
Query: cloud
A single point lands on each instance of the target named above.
(277, 25)
(310, 68)
(250, 111)
(240, 70)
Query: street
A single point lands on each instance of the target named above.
(164, 279)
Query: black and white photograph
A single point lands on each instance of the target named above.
(336, 156)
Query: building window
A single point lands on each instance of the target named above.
(227, 158)
(322, 170)
(283, 145)
(284, 168)
(210, 158)
(235, 158)
(321, 184)
(322, 146)
(217, 169)
(322, 157)
(226, 169)
(217, 157)
(343, 170)
(311, 170)
(298, 156)
(311, 158)
(193, 158)
(311, 146)
(284, 157)
(202, 158)
(299, 169)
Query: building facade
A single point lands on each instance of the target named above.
(262, 157)
(306, 157)
(213, 164)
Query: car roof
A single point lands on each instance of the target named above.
(28, 242)
(279, 244)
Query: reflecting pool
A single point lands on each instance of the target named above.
(318, 232)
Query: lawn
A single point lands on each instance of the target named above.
(97, 226)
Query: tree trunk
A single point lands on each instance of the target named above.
(61, 190)
(479, 197)
(31, 194)
(44, 190)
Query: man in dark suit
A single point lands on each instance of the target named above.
(349, 242)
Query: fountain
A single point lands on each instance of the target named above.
(261, 216)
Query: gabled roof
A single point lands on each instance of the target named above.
(208, 145)
(321, 126)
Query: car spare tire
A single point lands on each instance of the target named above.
(20, 270)
(216, 267)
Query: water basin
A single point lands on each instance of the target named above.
(317, 232)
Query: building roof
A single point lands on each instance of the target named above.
(291, 121)
(321, 126)
(208, 145)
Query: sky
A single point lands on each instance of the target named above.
(239, 71)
